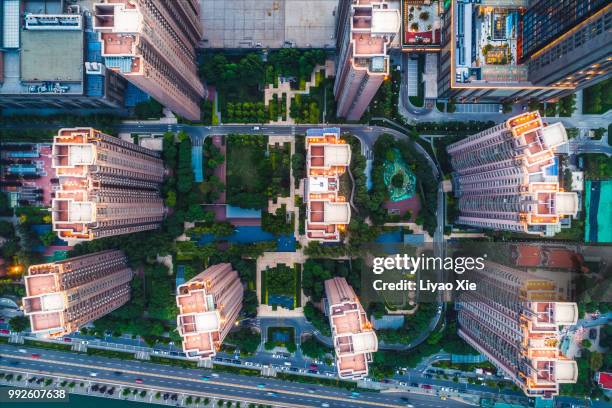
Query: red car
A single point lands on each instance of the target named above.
(426, 386)
(5, 331)
(35, 355)
(313, 366)
(67, 339)
(138, 381)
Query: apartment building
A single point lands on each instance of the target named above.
(208, 304)
(152, 43)
(63, 296)
(507, 177)
(327, 158)
(514, 319)
(353, 336)
(107, 187)
(363, 58)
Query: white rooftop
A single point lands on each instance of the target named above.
(337, 155)
(566, 371)
(318, 184)
(566, 313)
(81, 211)
(81, 154)
(208, 321)
(52, 302)
(127, 20)
(566, 203)
(337, 213)
(554, 135)
(385, 21)
(365, 342)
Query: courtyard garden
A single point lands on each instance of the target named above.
(281, 337)
(280, 286)
(597, 99)
(256, 172)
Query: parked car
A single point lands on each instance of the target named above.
(138, 381)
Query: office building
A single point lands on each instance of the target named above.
(507, 177)
(352, 334)
(49, 60)
(63, 296)
(152, 43)
(327, 158)
(208, 304)
(520, 50)
(363, 58)
(514, 319)
(568, 43)
(107, 187)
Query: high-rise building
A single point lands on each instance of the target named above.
(496, 51)
(208, 304)
(363, 58)
(107, 186)
(50, 60)
(327, 158)
(514, 319)
(568, 43)
(507, 177)
(152, 43)
(63, 296)
(353, 336)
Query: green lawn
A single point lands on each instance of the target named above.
(248, 171)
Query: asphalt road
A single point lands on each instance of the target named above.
(180, 380)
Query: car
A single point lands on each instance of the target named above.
(325, 405)
(215, 375)
(255, 127)
(428, 376)
(313, 366)
(22, 350)
(248, 363)
(426, 386)
(205, 378)
(138, 381)
(67, 339)
(166, 396)
(93, 374)
(443, 398)
(5, 331)
(354, 394)
(414, 384)
(117, 372)
(287, 363)
(271, 394)
(311, 390)
(35, 355)
(261, 385)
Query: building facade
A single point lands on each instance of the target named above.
(514, 319)
(327, 158)
(208, 304)
(519, 50)
(568, 44)
(353, 336)
(63, 296)
(507, 177)
(363, 58)
(152, 43)
(108, 186)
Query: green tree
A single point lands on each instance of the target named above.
(19, 323)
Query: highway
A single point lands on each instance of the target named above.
(181, 380)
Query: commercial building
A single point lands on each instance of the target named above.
(363, 58)
(352, 334)
(152, 43)
(63, 296)
(514, 319)
(49, 60)
(327, 158)
(108, 186)
(568, 43)
(496, 51)
(208, 304)
(507, 177)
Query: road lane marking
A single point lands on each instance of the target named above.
(197, 380)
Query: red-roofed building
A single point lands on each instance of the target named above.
(546, 256)
(604, 380)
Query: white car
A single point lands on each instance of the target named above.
(93, 374)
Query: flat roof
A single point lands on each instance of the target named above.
(554, 135)
(365, 342)
(52, 302)
(53, 56)
(81, 154)
(385, 21)
(566, 313)
(208, 321)
(81, 212)
(337, 155)
(337, 213)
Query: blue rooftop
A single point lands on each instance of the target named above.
(322, 131)
(123, 63)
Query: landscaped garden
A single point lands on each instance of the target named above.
(281, 337)
(597, 99)
(249, 171)
(280, 286)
